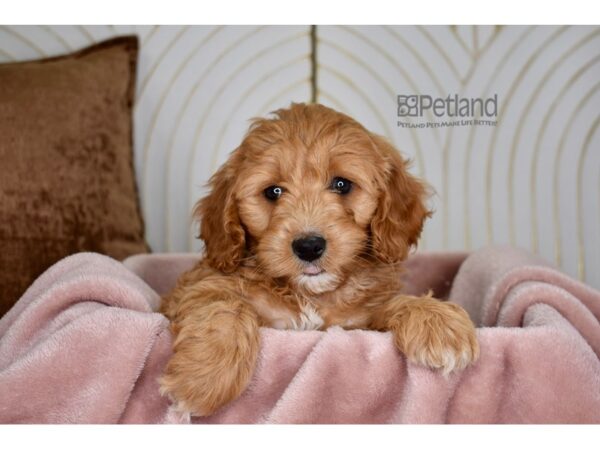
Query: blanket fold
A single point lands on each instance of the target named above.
(84, 345)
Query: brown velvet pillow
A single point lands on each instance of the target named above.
(66, 165)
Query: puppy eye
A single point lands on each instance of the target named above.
(341, 185)
(273, 192)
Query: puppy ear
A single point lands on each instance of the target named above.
(401, 210)
(220, 225)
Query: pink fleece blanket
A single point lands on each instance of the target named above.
(83, 345)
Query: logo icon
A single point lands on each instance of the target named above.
(408, 105)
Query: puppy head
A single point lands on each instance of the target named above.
(313, 196)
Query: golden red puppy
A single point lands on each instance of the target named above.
(305, 227)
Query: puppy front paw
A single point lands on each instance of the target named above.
(214, 354)
(201, 389)
(205, 374)
(438, 335)
(194, 395)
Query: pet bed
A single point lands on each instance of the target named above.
(83, 345)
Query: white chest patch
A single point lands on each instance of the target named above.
(309, 319)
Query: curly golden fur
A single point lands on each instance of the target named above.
(251, 276)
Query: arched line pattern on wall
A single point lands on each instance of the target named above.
(198, 83)
(247, 62)
(464, 82)
(556, 218)
(460, 40)
(159, 60)
(151, 133)
(418, 148)
(580, 163)
(58, 37)
(556, 207)
(440, 50)
(263, 111)
(416, 55)
(333, 100)
(553, 68)
(469, 148)
(208, 69)
(361, 93)
(405, 74)
(183, 108)
(507, 100)
(445, 156)
(538, 143)
(28, 42)
(391, 92)
(163, 97)
(146, 38)
(86, 34)
(96, 33)
(446, 147)
(272, 72)
(214, 98)
(480, 51)
(513, 148)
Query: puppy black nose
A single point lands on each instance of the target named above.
(309, 248)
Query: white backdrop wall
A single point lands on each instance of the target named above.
(532, 181)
